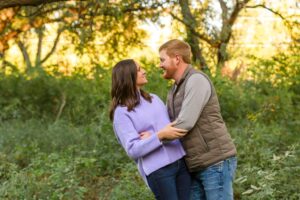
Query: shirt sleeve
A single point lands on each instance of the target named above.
(129, 138)
(197, 94)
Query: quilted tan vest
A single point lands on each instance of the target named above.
(208, 142)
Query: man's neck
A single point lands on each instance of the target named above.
(180, 71)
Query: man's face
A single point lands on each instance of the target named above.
(167, 64)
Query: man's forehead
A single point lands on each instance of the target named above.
(163, 53)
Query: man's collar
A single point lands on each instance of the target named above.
(185, 73)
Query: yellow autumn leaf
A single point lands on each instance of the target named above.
(19, 23)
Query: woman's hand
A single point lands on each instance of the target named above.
(144, 135)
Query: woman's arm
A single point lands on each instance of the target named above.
(130, 139)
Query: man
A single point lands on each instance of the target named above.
(193, 105)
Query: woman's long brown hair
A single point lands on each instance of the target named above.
(124, 91)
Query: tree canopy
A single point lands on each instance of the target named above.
(115, 25)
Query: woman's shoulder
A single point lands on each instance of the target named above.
(120, 110)
(155, 97)
(119, 113)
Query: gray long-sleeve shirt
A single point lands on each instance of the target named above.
(197, 94)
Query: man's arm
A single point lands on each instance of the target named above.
(197, 94)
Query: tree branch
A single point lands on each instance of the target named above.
(39, 47)
(25, 55)
(201, 36)
(41, 11)
(54, 45)
(14, 67)
(15, 3)
(224, 11)
(238, 7)
(61, 107)
(267, 8)
(132, 8)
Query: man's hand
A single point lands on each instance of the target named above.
(170, 133)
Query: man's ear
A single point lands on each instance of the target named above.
(177, 59)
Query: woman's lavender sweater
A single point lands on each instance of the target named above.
(150, 154)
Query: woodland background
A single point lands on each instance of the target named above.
(56, 141)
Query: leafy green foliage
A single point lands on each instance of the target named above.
(267, 161)
(45, 95)
(73, 154)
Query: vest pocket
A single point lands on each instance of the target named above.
(194, 144)
(203, 142)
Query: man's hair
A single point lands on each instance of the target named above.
(177, 47)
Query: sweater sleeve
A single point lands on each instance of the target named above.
(129, 138)
(197, 94)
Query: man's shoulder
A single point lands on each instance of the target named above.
(198, 77)
(198, 82)
(197, 71)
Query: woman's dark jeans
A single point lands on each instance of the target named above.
(172, 182)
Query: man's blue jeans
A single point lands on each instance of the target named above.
(214, 182)
(172, 182)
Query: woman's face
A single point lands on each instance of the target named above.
(141, 76)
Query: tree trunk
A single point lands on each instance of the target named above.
(25, 56)
(196, 51)
(228, 21)
(39, 47)
(191, 38)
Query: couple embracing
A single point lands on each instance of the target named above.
(183, 150)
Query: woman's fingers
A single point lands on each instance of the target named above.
(144, 135)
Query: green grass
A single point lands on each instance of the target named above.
(62, 161)
(74, 154)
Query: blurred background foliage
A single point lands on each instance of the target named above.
(56, 141)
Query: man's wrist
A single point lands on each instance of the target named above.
(160, 135)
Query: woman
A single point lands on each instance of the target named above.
(139, 119)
